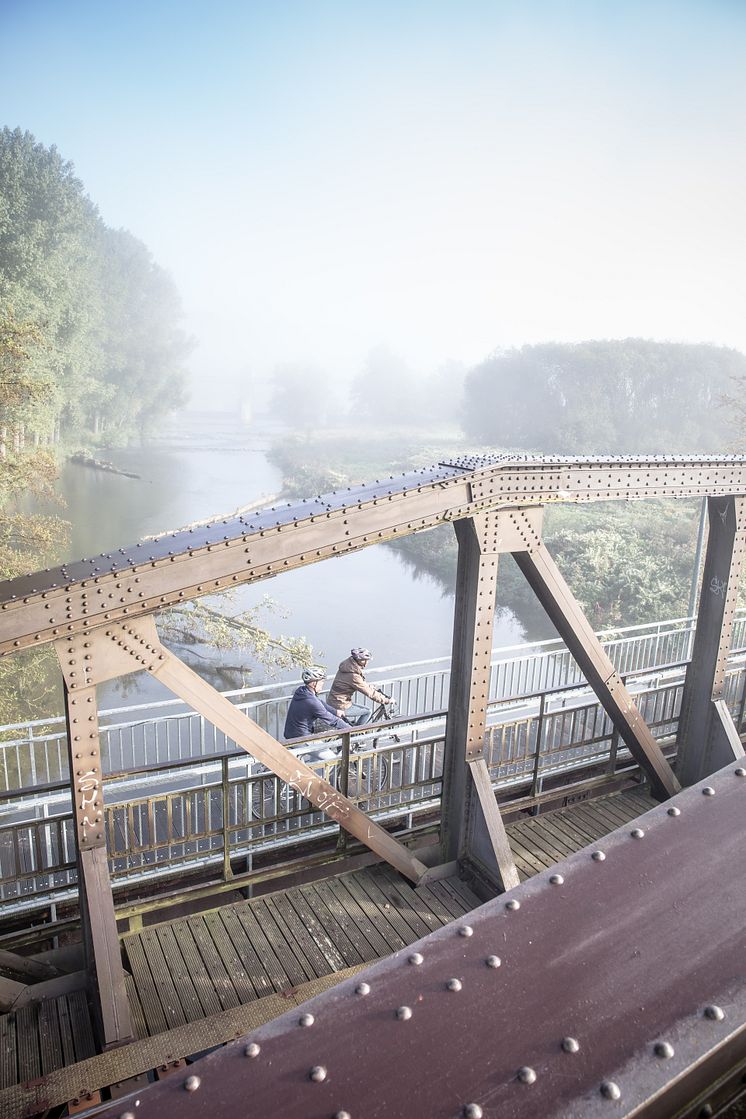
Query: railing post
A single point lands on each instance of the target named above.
(537, 755)
(227, 873)
(344, 782)
(742, 707)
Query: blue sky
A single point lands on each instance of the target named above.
(442, 178)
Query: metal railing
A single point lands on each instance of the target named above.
(212, 814)
(157, 733)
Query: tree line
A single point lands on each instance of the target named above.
(91, 351)
(632, 396)
(100, 320)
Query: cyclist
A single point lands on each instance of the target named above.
(350, 679)
(306, 707)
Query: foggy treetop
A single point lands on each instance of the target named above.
(101, 321)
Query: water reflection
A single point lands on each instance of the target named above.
(205, 467)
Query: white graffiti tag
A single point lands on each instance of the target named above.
(87, 796)
(325, 798)
(717, 586)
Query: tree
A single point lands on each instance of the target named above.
(26, 541)
(215, 624)
(110, 317)
(386, 392)
(140, 342)
(626, 397)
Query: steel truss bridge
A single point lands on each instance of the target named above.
(617, 987)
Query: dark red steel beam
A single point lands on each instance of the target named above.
(614, 984)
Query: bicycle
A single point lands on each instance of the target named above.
(272, 798)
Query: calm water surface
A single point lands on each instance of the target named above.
(207, 466)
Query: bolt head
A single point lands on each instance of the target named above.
(306, 1020)
(362, 989)
(556, 879)
(317, 1074)
(636, 833)
(609, 1090)
(466, 930)
(513, 904)
(472, 1111)
(493, 961)
(416, 958)
(663, 1050)
(570, 1044)
(454, 984)
(714, 1013)
(192, 1083)
(740, 772)
(252, 1050)
(708, 791)
(673, 810)
(526, 1075)
(404, 1013)
(598, 856)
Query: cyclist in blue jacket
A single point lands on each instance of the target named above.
(306, 706)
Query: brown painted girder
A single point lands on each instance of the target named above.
(611, 984)
(130, 582)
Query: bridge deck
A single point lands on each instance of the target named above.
(210, 967)
(187, 969)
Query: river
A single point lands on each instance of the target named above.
(207, 465)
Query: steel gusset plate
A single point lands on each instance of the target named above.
(614, 984)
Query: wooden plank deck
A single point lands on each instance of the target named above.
(196, 966)
(44, 1036)
(538, 842)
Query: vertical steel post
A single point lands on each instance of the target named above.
(470, 820)
(107, 991)
(707, 738)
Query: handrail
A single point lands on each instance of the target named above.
(532, 647)
(297, 744)
(158, 834)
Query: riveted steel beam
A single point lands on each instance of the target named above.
(605, 985)
(471, 825)
(576, 631)
(140, 580)
(135, 645)
(707, 737)
(111, 1012)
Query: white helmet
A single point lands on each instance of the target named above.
(360, 654)
(311, 674)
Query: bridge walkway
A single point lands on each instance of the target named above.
(194, 982)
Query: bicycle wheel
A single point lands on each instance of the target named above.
(271, 798)
(366, 775)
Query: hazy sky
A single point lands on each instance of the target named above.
(442, 178)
